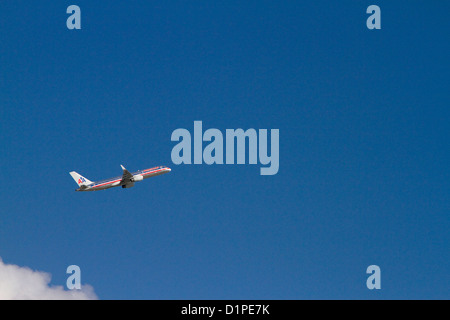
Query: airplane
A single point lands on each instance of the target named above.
(127, 179)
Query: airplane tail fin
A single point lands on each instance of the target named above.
(79, 179)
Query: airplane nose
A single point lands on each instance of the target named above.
(168, 169)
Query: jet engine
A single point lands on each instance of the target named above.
(137, 177)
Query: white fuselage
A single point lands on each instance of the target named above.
(117, 181)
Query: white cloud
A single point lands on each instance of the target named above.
(22, 283)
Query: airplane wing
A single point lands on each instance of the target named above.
(126, 176)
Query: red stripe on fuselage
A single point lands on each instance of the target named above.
(111, 182)
(153, 171)
(106, 183)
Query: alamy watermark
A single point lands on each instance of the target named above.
(213, 153)
(374, 20)
(74, 20)
(374, 280)
(74, 280)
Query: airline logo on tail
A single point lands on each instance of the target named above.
(79, 179)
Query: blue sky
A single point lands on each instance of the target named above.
(364, 147)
